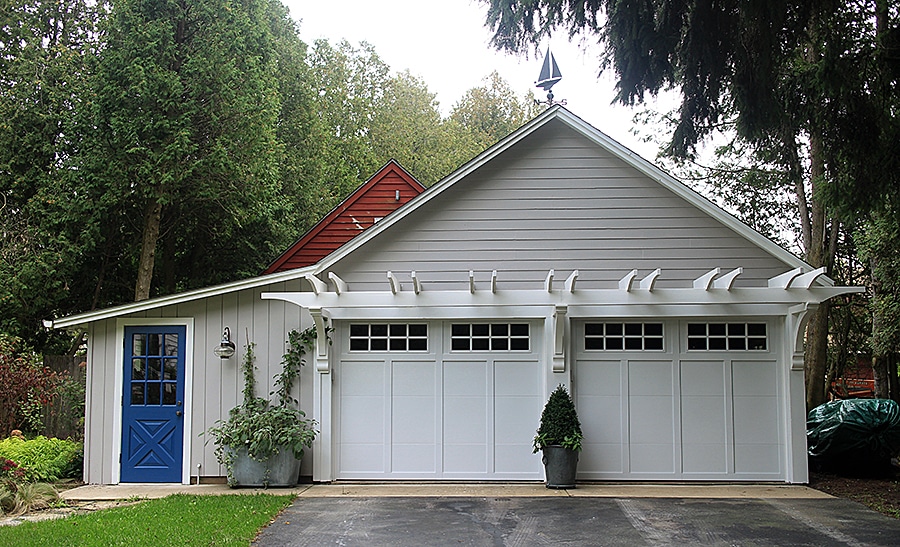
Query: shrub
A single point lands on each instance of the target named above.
(559, 422)
(41, 459)
(27, 386)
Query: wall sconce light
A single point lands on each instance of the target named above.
(225, 349)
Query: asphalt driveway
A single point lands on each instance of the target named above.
(510, 521)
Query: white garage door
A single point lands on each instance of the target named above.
(437, 400)
(690, 400)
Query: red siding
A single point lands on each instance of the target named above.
(375, 199)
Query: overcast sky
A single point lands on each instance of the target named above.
(446, 45)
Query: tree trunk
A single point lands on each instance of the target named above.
(150, 236)
(816, 358)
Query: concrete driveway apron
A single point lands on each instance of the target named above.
(563, 519)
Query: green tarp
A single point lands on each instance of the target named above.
(853, 432)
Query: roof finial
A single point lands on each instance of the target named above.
(550, 75)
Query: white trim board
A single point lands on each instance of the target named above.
(119, 379)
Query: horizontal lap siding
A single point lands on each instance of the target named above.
(556, 200)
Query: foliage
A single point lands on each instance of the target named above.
(805, 77)
(559, 422)
(26, 382)
(492, 111)
(259, 426)
(42, 459)
(17, 495)
(179, 521)
(43, 71)
(199, 138)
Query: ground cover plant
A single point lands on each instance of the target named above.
(43, 459)
(177, 520)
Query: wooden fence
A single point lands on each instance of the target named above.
(64, 416)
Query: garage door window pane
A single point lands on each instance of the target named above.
(727, 337)
(623, 336)
(388, 337)
(490, 337)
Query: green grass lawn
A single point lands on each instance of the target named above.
(177, 520)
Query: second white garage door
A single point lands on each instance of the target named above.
(437, 400)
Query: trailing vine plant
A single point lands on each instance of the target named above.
(257, 425)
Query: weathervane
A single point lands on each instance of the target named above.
(550, 74)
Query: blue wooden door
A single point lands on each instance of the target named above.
(153, 404)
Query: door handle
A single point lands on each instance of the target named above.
(178, 413)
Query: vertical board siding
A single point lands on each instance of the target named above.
(556, 200)
(217, 383)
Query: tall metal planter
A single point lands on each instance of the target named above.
(560, 466)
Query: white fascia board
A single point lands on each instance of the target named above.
(687, 193)
(174, 299)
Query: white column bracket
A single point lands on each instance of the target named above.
(494, 281)
(798, 317)
(784, 280)
(570, 281)
(417, 285)
(471, 282)
(559, 338)
(340, 286)
(625, 282)
(321, 323)
(704, 282)
(318, 286)
(806, 280)
(548, 283)
(727, 280)
(650, 280)
(395, 283)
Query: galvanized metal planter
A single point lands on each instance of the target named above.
(560, 466)
(280, 470)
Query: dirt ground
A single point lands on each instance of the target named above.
(881, 493)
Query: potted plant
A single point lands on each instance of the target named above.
(261, 443)
(559, 438)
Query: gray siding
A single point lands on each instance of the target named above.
(555, 200)
(217, 384)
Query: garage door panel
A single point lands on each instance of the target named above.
(468, 459)
(755, 420)
(515, 459)
(754, 378)
(652, 458)
(362, 458)
(650, 378)
(413, 378)
(703, 378)
(601, 458)
(601, 418)
(703, 458)
(517, 379)
(511, 425)
(757, 458)
(413, 420)
(363, 378)
(651, 420)
(703, 420)
(465, 420)
(413, 458)
(363, 419)
(465, 378)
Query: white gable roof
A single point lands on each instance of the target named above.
(554, 113)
